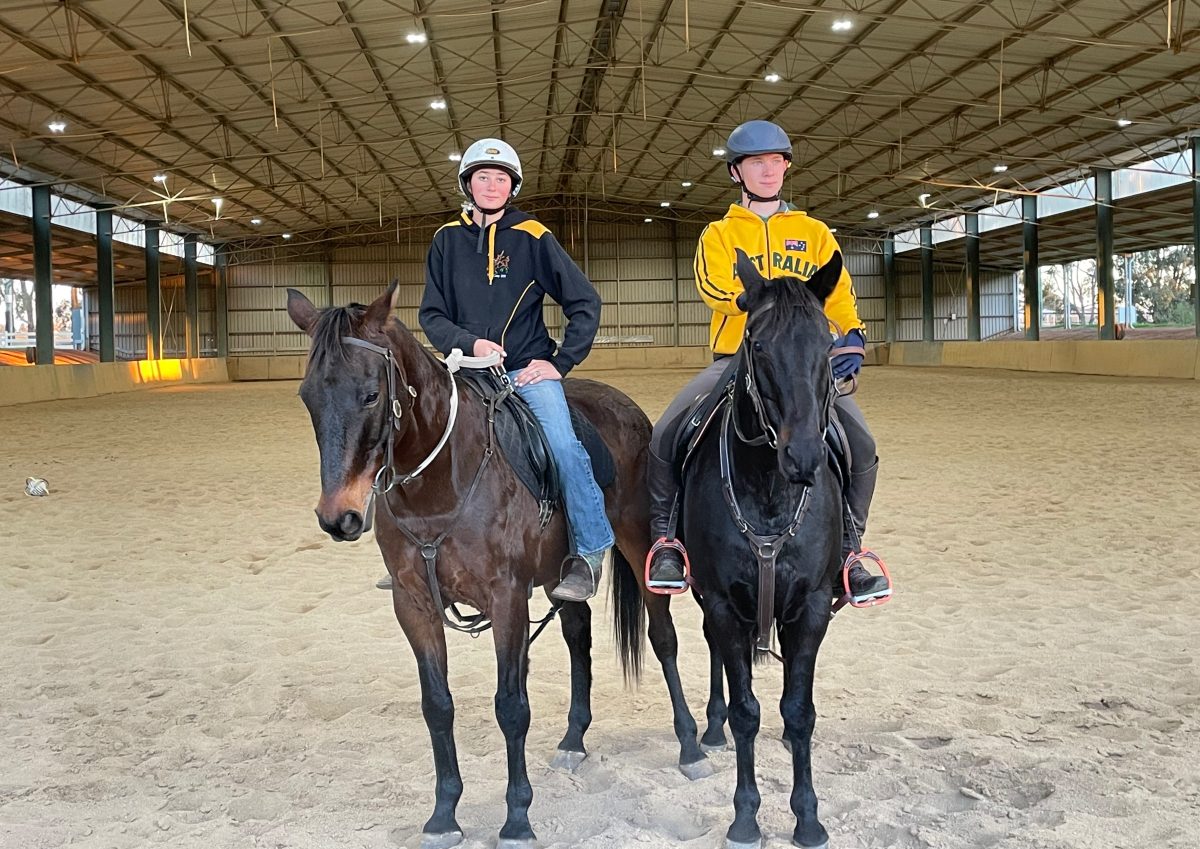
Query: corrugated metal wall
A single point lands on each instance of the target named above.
(950, 301)
(643, 272)
(129, 318)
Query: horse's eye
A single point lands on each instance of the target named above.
(371, 399)
(758, 346)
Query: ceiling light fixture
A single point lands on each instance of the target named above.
(416, 38)
(1123, 122)
(923, 198)
(647, 220)
(160, 178)
(843, 25)
(256, 221)
(772, 77)
(456, 157)
(664, 204)
(718, 151)
(287, 235)
(687, 184)
(872, 214)
(218, 203)
(57, 126)
(999, 167)
(437, 104)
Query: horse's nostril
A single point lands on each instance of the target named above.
(351, 523)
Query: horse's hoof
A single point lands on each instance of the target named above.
(511, 843)
(750, 844)
(708, 748)
(441, 841)
(567, 761)
(824, 844)
(696, 770)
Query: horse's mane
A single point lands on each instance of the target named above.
(333, 324)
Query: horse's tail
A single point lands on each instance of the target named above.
(629, 620)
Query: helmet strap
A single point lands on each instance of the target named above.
(737, 178)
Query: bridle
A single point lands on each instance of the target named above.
(766, 546)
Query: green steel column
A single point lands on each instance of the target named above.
(154, 337)
(105, 281)
(889, 288)
(191, 296)
(1196, 230)
(1033, 284)
(973, 296)
(221, 300)
(675, 276)
(927, 281)
(43, 276)
(1104, 254)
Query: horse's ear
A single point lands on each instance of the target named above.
(381, 307)
(825, 279)
(302, 311)
(752, 280)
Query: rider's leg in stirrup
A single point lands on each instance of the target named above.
(667, 569)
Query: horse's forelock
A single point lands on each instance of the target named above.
(333, 324)
(789, 296)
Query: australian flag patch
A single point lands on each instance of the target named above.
(795, 245)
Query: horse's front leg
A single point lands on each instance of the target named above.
(799, 641)
(576, 621)
(736, 651)
(428, 640)
(717, 711)
(510, 625)
(665, 640)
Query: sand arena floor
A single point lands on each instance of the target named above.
(189, 662)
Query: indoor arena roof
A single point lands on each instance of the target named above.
(337, 116)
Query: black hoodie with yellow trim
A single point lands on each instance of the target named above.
(491, 285)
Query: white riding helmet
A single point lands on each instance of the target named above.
(489, 153)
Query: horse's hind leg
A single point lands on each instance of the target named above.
(717, 712)
(576, 621)
(428, 642)
(800, 641)
(510, 625)
(665, 642)
(743, 722)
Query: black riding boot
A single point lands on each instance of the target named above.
(863, 585)
(667, 570)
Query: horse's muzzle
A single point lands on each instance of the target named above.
(799, 460)
(345, 528)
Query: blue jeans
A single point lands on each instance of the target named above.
(585, 501)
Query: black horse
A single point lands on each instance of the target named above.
(458, 526)
(762, 514)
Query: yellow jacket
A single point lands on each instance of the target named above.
(798, 246)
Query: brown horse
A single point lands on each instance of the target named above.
(458, 526)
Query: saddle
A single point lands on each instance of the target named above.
(523, 443)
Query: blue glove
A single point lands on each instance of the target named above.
(848, 364)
